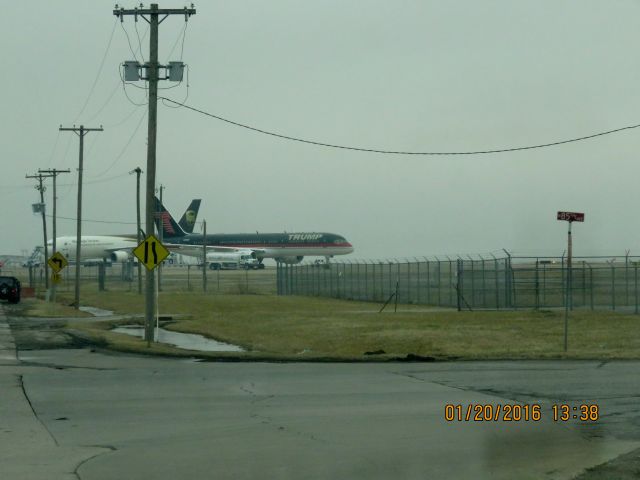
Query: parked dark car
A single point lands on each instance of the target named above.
(10, 289)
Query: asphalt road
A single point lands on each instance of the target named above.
(75, 413)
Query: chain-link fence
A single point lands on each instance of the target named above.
(173, 278)
(508, 282)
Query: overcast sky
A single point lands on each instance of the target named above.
(395, 75)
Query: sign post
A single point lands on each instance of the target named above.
(569, 217)
(151, 253)
(56, 262)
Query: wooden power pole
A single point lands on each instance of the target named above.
(41, 188)
(81, 131)
(138, 171)
(54, 173)
(153, 16)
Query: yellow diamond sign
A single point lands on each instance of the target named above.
(151, 252)
(57, 262)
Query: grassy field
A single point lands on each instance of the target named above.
(305, 328)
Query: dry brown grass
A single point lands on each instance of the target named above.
(313, 328)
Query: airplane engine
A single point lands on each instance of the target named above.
(119, 256)
(289, 260)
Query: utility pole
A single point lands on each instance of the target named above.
(138, 171)
(204, 255)
(54, 173)
(151, 16)
(81, 132)
(41, 188)
(161, 238)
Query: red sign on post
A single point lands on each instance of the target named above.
(571, 216)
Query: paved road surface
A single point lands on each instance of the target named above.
(73, 413)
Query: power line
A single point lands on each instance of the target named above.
(125, 119)
(399, 152)
(94, 221)
(181, 34)
(135, 24)
(129, 41)
(184, 35)
(53, 150)
(107, 102)
(95, 81)
(124, 149)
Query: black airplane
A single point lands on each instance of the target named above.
(285, 247)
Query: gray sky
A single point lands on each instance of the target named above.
(402, 75)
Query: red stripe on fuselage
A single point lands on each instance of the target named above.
(280, 245)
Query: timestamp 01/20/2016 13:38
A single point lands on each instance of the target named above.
(515, 412)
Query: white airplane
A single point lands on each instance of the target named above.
(96, 248)
(114, 248)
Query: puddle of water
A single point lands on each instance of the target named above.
(96, 312)
(187, 341)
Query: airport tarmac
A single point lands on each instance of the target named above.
(77, 413)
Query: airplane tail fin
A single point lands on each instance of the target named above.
(166, 223)
(188, 220)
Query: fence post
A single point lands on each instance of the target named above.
(278, 292)
(398, 271)
(450, 282)
(584, 284)
(373, 281)
(331, 294)
(439, 281)
(473, 281)
(381, 264)
(495, 275)
(294, 279)
(408, 301)
(283, 270)
(428, 281)
(544, 285)
(101, 275)
(484, 283)
(508, 287)
(366, 281)
(635, 284)
(391, 282)
(357, 280)
(613, 286)
(591, 279)
(537, 283)
(418, 281)
(563, 274)
(459, 284)
(506, 284)
(626, 278)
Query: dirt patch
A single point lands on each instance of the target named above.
(40, 334)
